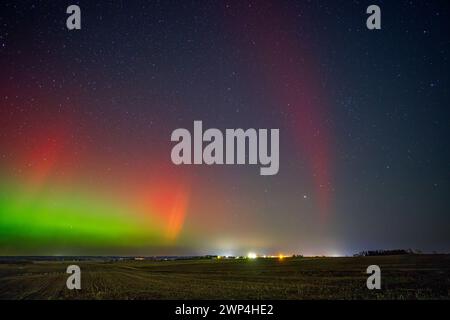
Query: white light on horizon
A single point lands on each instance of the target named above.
(335, 255)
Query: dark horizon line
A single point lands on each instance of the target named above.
(3, 257)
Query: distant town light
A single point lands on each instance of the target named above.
(252, 255)
(335, 255)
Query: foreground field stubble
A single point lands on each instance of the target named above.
(403, 277)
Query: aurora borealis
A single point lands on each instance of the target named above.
(86, 118)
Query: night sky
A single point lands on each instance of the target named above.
(86, 118)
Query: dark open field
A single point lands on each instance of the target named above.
(403, 277)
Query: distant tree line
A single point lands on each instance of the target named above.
(371, 253)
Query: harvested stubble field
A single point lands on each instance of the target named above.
(403, 277)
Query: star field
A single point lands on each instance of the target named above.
(86, 118)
